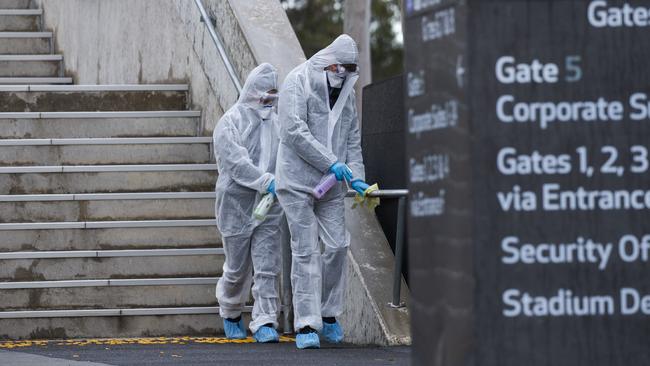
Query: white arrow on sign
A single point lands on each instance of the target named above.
(460, 71)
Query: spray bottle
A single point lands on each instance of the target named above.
(325, 184)
(262, 208)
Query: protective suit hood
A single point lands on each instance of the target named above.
(261, 79)
(342, 51)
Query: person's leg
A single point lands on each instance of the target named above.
(336, 240)
(266, 253)
(235, 283)
(306, 261)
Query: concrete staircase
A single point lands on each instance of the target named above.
(25, 51)
(106, 201)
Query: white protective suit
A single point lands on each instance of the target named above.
(245, 148)
(312, 138)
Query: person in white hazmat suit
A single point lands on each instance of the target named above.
(319, 134)
(245, 145)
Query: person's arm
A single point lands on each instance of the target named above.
(234, 158)
(294, 130)
(354, 157)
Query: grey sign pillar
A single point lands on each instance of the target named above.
(529, 170)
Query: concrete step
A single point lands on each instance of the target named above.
(107, 294)
(117, 238)
(107, 179)
(75, 265)
(35, 80)
(29, 66)
(106, 207)
(15, 4)
(188, 150)
(76, 98)
(39, 125)
(20, 20)
(25, 43)
(7, 227)
(62, 324)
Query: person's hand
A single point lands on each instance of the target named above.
(271, 188)
(360, 186)
(341, 171)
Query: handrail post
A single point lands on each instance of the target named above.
(399, 246)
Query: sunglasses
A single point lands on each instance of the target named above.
(350, 67)
(269, 98)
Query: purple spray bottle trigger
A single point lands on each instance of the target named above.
(325, 184)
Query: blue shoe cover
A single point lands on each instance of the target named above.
(309, 340)
(266, 335)
(333, 333)
(234, 330)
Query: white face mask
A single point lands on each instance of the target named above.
(336, 79)
(265, 111)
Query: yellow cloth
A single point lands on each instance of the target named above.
(369, 202)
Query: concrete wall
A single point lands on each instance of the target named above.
(163, 41)
(367, 317)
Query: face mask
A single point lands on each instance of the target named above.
(265, 111)
(336, 79)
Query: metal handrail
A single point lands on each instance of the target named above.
(220, 48)
(401, 195)
(383, 193)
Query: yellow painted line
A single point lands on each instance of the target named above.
(123, 341)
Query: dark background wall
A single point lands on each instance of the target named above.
(383, 144)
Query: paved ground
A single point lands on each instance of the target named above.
(191, 351)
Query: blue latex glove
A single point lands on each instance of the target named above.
(341, 171)
(271, 188)
(360, 186)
